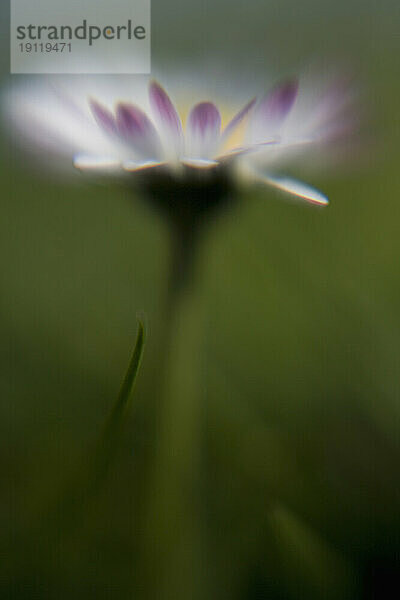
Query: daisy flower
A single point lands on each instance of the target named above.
(193, 166)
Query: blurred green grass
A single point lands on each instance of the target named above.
(299, 381)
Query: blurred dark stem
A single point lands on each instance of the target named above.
(171, 509)
(184, 247)
(173, 556)
(187, 202)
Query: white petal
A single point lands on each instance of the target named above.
(203, 130)
(236, 121)
(167, 117)
(249, 149)
(199, 163)
(296, 188)
(132, 166)
(273, 110)
(234, 152)
(85, 162)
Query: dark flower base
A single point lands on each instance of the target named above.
(187, 199)
(189, 196)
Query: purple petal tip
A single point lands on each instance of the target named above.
(162, 105)
(280, 100)
(203, 117)
(103, 116)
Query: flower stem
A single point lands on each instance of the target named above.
(184, 246)
(174, 532)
